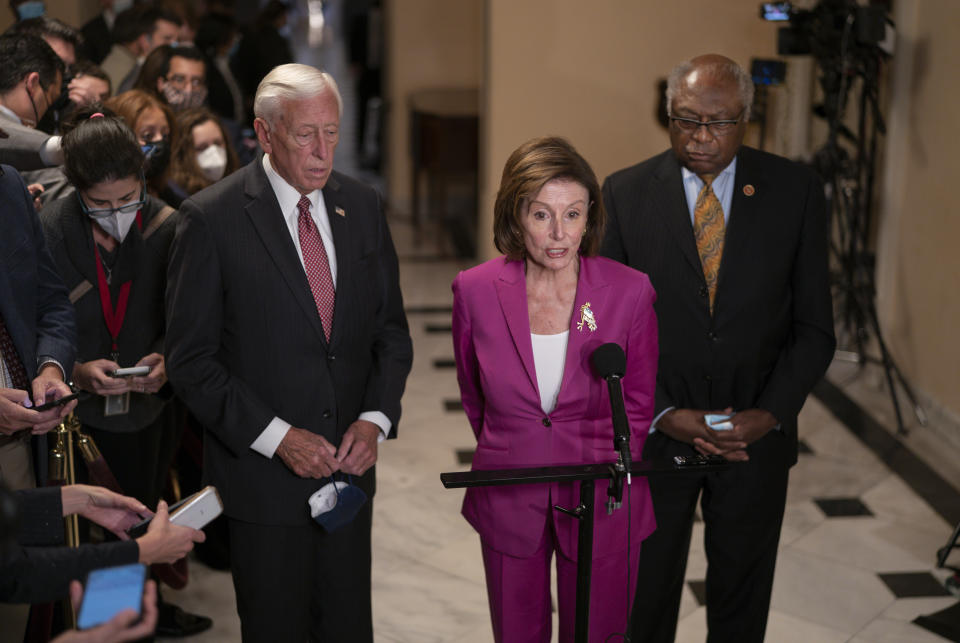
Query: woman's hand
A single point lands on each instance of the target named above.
(94, 376)
(165, 542)
(155, 379)
(104, 507)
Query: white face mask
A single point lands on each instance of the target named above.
(117, 225)
(213, 162)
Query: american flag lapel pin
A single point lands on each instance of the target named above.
(340, 211)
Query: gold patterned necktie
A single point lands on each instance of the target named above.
(708, 230)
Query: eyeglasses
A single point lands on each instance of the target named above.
(179, 80)
(126, 208)
(716, 128)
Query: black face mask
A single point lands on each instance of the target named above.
(158, 157)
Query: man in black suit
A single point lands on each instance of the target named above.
(735, 243)
(287, 340)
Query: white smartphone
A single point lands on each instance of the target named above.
(199, 509)
(131, 371)
(109, 591)
(194, 511)
(718, 422)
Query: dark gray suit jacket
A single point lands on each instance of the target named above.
(770, 337)
(33, 299)
(21, 147)
(244, 341)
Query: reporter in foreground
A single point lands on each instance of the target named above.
(124, 626)
(35, 567)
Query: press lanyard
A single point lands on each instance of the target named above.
(113, 317)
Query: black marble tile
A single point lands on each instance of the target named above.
(452, 405)
(803, 447)
(913, 584)
(444, 362)
(945, 623)
(429, 310)
(465, 456)
(924, 481)
(842, 507)
(437, 328)
(699, 589)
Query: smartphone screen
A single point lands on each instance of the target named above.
(109, 591)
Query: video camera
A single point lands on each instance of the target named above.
(821, 31)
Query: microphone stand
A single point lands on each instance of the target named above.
(587, 475)
(621, 444)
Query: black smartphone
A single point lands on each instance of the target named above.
(109, 591)
(59, 402)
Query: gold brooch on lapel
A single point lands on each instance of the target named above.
(749, 190)
(586, 317)
(340, 211)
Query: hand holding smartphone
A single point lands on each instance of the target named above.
(109, 591)
(46, 406)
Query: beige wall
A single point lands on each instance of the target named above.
(919, 264)
(588, 71)
(430, 43)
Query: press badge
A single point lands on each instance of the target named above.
(116, 404)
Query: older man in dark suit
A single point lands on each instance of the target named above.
(288, 341)
(735, 243)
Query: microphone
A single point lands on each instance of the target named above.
(610, 363)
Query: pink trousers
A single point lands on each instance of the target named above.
(518, 590)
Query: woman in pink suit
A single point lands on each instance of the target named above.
(524, 327)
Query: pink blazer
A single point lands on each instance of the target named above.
(498, 387)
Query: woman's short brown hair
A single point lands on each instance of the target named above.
(529, 168)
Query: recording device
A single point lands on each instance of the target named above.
(610, 363)
(46, 406)
(195, 511)
(695, 461)
(830, 26)
(109, 591)
(131, 371)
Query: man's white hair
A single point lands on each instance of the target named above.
(292, 82)
(728, 69)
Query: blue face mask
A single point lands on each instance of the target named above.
(32, 9)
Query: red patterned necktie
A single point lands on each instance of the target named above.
(317, 265)
(18, 375)
(708, 229)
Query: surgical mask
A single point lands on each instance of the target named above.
(117, 225)
(213, 162)
(179, 99)
(32, 9)
(158, 157)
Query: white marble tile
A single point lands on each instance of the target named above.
(885, 630)
(419, 604)
(786, 628)
(874, 544)
(688, 603)
(825, 477)
(697, 558)
(907, 609)
(893, 500)
(840, 597)
(799, 519)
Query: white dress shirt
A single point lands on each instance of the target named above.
(288, 197)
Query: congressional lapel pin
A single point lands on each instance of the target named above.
(749, 190)
(586, 317)
(340, 211)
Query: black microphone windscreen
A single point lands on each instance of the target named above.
(609, 360)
